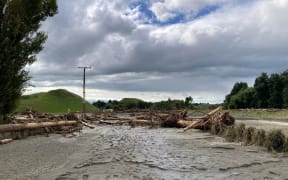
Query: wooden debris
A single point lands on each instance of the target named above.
(5, 141)
(24, 126)
(213, 117)
(203, 123)
(167, 119)
(87, 124)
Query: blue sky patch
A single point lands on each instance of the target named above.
(148, 16)
(206, 10)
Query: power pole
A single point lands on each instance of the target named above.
(84, 86)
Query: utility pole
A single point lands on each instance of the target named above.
(84, 93)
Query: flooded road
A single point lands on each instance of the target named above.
(120, 152)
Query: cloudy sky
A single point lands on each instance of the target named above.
(159, 49)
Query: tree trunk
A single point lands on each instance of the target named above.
(23, 126)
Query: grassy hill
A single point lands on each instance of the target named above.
(55, 101)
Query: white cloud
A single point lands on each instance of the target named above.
(202, 58)
(166, 10)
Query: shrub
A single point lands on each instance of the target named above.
(286, 145)
(217, 129)
(275, 141)
(259, 137)
(230, 134)
(248, 134)
(240, 129)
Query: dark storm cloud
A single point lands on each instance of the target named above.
(207, 55)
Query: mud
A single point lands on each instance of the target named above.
(121, 152)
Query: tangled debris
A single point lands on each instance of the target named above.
(33, 123)
(217, 121)
(178, 119)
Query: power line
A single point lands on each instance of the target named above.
(84, 86)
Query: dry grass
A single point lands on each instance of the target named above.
(218, 129)
(259, 137)
(286, 145)
(275, 141)
(230, 134)
(240, 129)
(248, 135)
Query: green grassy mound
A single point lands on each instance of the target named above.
(55, 101)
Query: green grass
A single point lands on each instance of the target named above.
(250, 114)
(259, 114)
(55, 101)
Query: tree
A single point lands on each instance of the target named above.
(130, 103)
(262, 90)
(238, 86)
(20, 41)
(276, 91)
(243, 99)
(99, 104)
(284, 76)
(188, 102)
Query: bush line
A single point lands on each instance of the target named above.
(274, 141)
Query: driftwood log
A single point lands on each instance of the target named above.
(132, 122)
(87, 124)
(5, 141)
(25, 126)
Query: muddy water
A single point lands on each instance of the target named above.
(137, 153)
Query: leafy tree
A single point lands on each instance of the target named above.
(284, 76)
(130, 103)
(144, 105)
(180, 104)
(188, 102)
(243, 99)
(133, 103)
(20, 41)
(261, 86)
(238, 86)
(114, 104)
(276, 91)
(99, 104)
(164, 105)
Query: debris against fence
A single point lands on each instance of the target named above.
(32, 123)
(166, 119)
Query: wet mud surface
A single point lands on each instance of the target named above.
(120, 152)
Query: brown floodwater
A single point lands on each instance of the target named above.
(121, 152)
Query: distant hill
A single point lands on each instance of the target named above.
(55, 101)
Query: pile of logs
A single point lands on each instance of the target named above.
(171, 119)
(33, 123)
(205, 123)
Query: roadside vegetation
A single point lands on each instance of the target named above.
(267, 92)
(133, 103)
(20, 40)
(274, 141)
